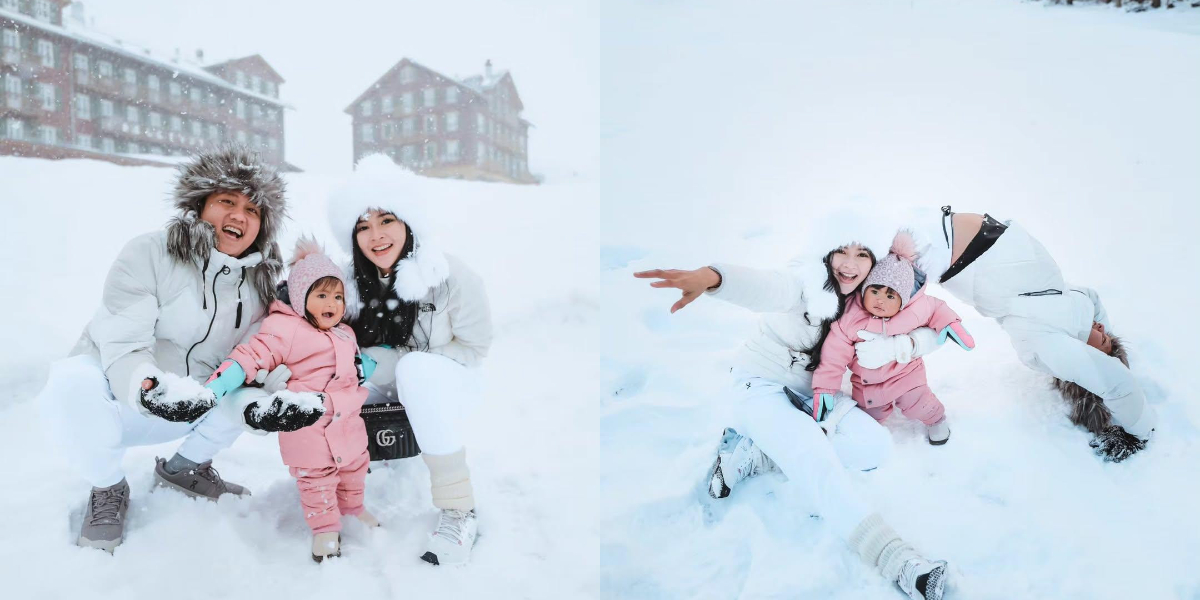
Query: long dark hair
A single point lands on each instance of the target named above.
(383, 318)
(826, 324)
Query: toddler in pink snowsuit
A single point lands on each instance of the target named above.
(892, 302)
(329, 458)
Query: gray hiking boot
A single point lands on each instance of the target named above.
(202, 481)
(104, 522)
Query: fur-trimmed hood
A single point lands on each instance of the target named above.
(1087, 409)
(380, 184)
(229, 168)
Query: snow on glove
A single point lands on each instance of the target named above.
(176, 399)
(878, 350)
(275, 380)
(959, 334)
(1115, 444)
(286, 411)
(228, 377)
(366, 366)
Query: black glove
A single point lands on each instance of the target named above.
(184, 410)
(1115, 444)
(281, 416)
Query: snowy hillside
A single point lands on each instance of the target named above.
(71, 219)
(1051, 117)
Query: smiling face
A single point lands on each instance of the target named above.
(326, 303)
(380, 237)
(850, 264)
(236, 220)
(1100, 339)
(881, 301)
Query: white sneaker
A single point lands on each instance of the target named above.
(451, 543)
(738, 459)
(939, 433)
(934, 581)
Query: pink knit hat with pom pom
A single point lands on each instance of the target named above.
(896, 269)
(308, 265)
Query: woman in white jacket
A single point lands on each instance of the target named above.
(175, 303)
(1056, 328)
(772, 423)
(423, 317)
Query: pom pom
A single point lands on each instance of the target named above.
(305, 246)
(904, 246)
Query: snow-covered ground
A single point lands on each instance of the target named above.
(534, 437)
(746, 123)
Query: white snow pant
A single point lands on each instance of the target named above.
(94, 428)
(437, 394)
(812, 461)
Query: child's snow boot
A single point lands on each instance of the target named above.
(367, 518)
(326, 545)
(737, 459)
(939, 433)
(451, 543)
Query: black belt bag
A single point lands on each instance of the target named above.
(389, 434)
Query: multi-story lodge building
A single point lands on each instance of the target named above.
(442, 127)
(69, 91)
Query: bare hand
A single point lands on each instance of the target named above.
(693, 283)
(148, 383)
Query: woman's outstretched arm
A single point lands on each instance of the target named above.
(693, 283)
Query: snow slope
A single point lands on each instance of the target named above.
(71, 219)
(750, 121)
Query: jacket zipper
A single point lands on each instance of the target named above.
(187, 365)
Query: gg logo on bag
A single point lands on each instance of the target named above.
(385, 437)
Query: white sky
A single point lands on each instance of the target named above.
(329, 52)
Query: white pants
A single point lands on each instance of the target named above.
(813, 462)
(94, 428)
(437, 394)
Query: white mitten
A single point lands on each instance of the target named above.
(275, 380)
(877, 349)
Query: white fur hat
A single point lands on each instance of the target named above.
(380, 184)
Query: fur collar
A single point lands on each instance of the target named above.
(191, 240)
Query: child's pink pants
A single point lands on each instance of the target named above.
(327, 493)
(918, 403)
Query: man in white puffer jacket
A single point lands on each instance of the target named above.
(175, 303)
(1056, 328)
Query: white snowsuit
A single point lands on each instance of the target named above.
(156, 312)
(1017, 282)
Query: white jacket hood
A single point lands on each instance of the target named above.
(380, 184)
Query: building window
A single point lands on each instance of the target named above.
(367, 133)
(256, 84)
(480, 153)
(273, 144)
(241, 137)
(214, 131)
(407, 74)
(272, 89)
(104, 69)
(45, 52)
(389, 130)
(406, 103)
(452, 150)
(48, 134)
(257, 141)
(14, 129)
(239, 108)
(83, 107)
(430, 96)
(108, 146)
(106, 108)
(386, 105)
(156, 120)
(257, 112)
(10, 39)
(131, 78)
(83, 140)
(239, 78)
(452, 95)
(49, 96)
(12, 91)
(176, 91)
(408, 154)
(81, 68)
(452, 121)
(408, 126)
(198, 129)
(132, 115)
(43, 11)
(364, 109)
(480, 123)
(12, 5)
(273, 115)
(153, 85)
(430, 151)
(430, 124)
(197, 95)
(176, 123)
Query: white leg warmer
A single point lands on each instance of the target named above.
(450, 480)
(881, 547)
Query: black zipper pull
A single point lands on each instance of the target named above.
(237, 324)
